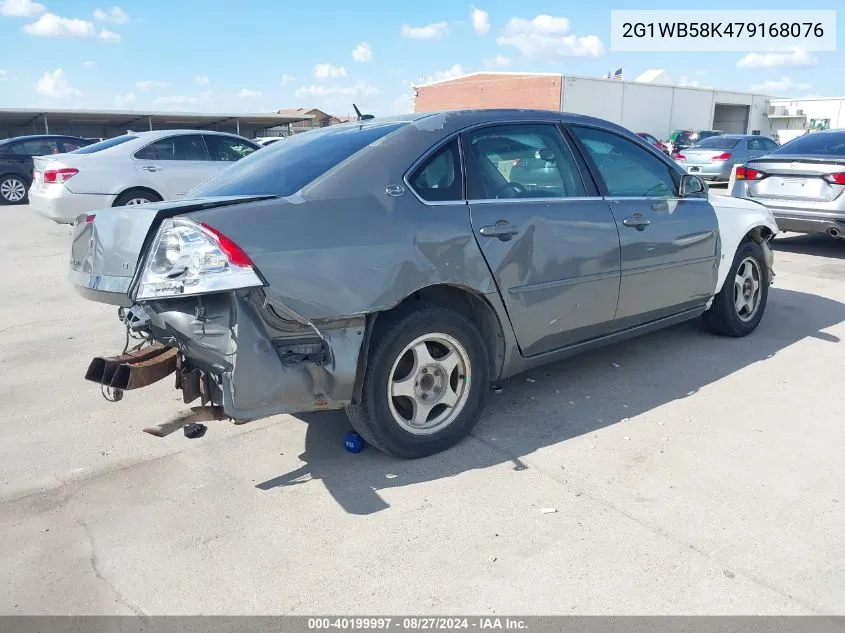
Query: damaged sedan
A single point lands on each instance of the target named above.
(397, 267)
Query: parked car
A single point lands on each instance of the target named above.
(652, 140)
(16, 161)
(714, 157)
(682, 139)
(135, 168)
(802, 182)
(395, 267)
(264, 141)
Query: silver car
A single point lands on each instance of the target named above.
(802, 183)
(714, 157)
(396, 267)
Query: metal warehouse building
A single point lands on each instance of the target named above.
(639, 106)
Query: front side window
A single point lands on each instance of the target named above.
(228, 148)
(627, 169)
(184, 147)
(438, 179)
(520, 161)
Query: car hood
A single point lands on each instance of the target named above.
(107, 244)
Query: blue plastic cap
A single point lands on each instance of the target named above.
(354, 443)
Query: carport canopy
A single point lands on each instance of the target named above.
(108, 123)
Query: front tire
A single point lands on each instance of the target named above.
(739, 306)
(427, 376)
(13, 190)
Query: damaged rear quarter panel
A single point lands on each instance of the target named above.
(342, 246)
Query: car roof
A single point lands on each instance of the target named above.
(153, 134)
(37, 137)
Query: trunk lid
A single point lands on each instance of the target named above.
(796, 178)
(107, 245)
(703, 156)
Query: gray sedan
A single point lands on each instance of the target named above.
(714, 157)
(396, 267)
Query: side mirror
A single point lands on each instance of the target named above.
(546, 155)
(692, 185)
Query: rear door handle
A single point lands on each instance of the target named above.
(502, 230)
(637, 221)
(151, 168)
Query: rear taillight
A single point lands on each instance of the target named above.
(746, 173)
(60, 175)
(89, 218)
(679, 156)
(835, 179)
(236, 255)
(725, 156)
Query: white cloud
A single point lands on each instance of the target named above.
(286, 79)
(21, 8)
(546, 36)
(124, 100)
(324, 71)
(205, 95)
(795, 57)
(362, 53)
(359, 89)
(246, 93)
(55, 85)
(5, 75)
(499, 61)
(148, 84)
(480, 21)
(89, 64)
(109, 36)
(686, 81)
(175, 100)
(429, 32)
(115, 15)
(455, 71)
(202, 80)
(51, 25)
(782, 85)
(402, 104)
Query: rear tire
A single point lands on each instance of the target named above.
(13, 189)
(136, 196)
(739, 306)
(438, 359)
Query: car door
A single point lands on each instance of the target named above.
(550, 241)
(669, 244)
(174, 165)
(225, 150)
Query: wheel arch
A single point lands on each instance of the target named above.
(759, 233)
(466, 301)
(144, 189)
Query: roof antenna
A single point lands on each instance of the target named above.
(362, 117)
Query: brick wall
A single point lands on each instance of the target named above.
(491, 91)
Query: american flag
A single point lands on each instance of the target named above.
(617, 74)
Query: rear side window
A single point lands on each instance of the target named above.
(438, 179)
(718, 142)
(184, 147)
(284, 168)
(228, 148)
(36, 147)
(109, 142)
(818, 144)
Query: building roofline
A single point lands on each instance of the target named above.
(155, 113)
(487, 72)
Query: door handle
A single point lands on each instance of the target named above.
(502, 230)
(637, 221)
(151, 168)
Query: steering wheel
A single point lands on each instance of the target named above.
(511, 190)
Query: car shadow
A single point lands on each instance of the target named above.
(562, 401)
(820, 245)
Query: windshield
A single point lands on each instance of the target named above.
(717, 142)
(282, 169)
(110, 142)
(819, 144)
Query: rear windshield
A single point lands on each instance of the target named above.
(109, 142)
(717, 142)
(282, 169)
(819, 144)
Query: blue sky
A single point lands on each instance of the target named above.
(263, 55)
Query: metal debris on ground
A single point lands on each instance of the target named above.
(548, 510)
(493, 559)
(530, 380)
(496, 388)
(625, 420)
(194, 430)
(390, 476)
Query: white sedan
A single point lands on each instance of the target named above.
(135, 168)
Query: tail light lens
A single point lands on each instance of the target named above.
(746, 173)
(187, 258)
(835, 179)
(725, 156)
(59, 175)
(679, 156)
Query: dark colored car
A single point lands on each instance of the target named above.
(654, 142)
(395, 267)
(682, 139)
(16, 161)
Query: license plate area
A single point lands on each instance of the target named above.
(695, 170)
